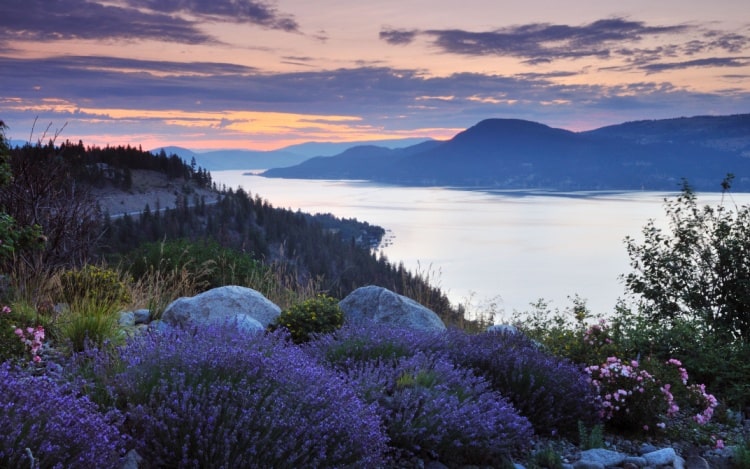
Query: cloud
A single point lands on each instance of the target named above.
(398, 36)
(238, 11)
(710, 62)
(544, 42)
(169, 20)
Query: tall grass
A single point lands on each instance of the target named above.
(90, 321)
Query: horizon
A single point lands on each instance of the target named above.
(264, 75)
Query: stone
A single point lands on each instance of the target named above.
(636, 461)
(503, 329)
(696, 462)
(602, 456)
(647, 448)
(132, 460)
(584, 464)
(126, 319)
(142, 316)
(678, 463)
(380, 305)
(660, 457)
(244, 307)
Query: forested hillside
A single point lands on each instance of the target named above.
(53, 188)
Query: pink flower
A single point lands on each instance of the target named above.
(719, 444)
(6, 309)
(19, 332)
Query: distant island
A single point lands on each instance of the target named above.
(518, 154)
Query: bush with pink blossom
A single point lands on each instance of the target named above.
(649, 395)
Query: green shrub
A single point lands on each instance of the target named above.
(93, 283)
(319, 315)
(741, 454)
(207, 261)
(90, 321)
(10, 345)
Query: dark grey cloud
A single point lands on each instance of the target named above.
(44, 20)
(710, 62)
(538, 42)
(398, 36)
(239, 11)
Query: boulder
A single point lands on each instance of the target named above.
(245, 307)
(601, 456)
(660, 457)
(383, 306)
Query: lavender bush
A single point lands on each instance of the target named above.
(432, 409)
(50, 423)
(213, 398)
(553, 393)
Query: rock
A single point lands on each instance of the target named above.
(660, 457)
(635, 461)
(126, 319)
(647, 448)
(142, 316)
(435, 465)
(502, 329)
(132, 460)
(696, 462)
(382, 306)
(247, 308)
(584, 464)
(601, 456)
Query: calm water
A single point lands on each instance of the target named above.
(510, 248)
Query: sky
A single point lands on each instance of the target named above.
(220, 74)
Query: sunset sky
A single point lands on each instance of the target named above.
(209, 74)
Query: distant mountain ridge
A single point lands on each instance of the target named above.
(220, 160)
(519, 154)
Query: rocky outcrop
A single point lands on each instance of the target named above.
(379, 305)
(245, 307)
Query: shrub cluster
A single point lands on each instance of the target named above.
(319, 315)
(46, 424)
(94, 283)
(213, 398)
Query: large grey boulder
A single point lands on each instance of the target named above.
(379, 305)
(244, 307)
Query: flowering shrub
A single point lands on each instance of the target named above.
(59, 429)
(317, 315)
(94, 284)
(15, 342)
(433, 409)
(213, 398)
(354, 344)
(32, 338)
(634, 398)
(553, 393)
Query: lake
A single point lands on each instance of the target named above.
(511, 248)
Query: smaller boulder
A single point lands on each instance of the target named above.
(246, 308)
(380, 305)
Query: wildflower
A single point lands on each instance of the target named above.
(6, 309)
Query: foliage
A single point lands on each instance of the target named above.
(213, 398)
(646, 396)
(700, 271)
(552, 392)
(741, 454)
(433, 409)
(97, 284)
(89, 321)
(211, 264)
(13, 237)
(319, 315)
(546, 457)
(49, 425)
(10, 345)
(589, 439)
(572, 333)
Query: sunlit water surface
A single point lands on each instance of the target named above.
(511, 248)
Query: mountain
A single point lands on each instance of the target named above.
(518, 154)
(219, 160)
